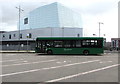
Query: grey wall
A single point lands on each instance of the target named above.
(42, 32)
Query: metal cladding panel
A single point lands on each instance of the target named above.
(68, 17)
(53, 15)
(45, 16)
(22, 25)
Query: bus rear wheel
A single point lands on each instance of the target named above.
(49, 52)
(85, 52)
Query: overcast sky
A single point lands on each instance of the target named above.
(92, 11)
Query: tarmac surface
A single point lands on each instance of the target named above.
(31, 67)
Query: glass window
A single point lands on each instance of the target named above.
(3, 35)
(49, 43)
(67, 43)
(39, 44)
(78, 43)
(73, 43)
(30, 35)
(14, 35)
(93, 42)
(26, 21)
(86, 42)
(9, 36)
(58, 43)
(22, 45)
(100, 43)
(20, 35)
(7, 45)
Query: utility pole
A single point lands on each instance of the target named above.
(19, 8)
(99, 27)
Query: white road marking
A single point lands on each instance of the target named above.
(48, 68)
(25, 61)
(105, 61)
(29, 63)
(11, 60)
(61, 62)
(58, 62)
(100, 62)
(64, 61)
(83, 73)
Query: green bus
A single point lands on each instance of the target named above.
(70, 45)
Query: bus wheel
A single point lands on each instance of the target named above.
(85, 52)
(49, 52)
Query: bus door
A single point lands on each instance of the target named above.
(43, 46)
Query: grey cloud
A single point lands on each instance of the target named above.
(98, 8)
(10, 13)
(101, 7)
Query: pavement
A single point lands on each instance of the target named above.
(15, 51)
(32, 51)
(31, 67)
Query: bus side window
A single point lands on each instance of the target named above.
(39, 44)
(49, 43)
(73, 43)
(58, 43)
(78, 43)
(86, 43)
(100, 44)
(93, 43)
(96, 42)
(67, 44)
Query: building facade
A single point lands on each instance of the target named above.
(53, 15)
(52, 20)
(115, 43)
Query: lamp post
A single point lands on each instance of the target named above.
(27, 41)
(19, 8)
(62, 31)
(99, 27)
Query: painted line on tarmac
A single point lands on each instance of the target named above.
(54, 67)
(11, 60)
(29, 63)
(83, 73)
(105, 62)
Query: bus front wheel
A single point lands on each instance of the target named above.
(85, 52)
(49, 52)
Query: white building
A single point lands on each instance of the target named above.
(52, 20)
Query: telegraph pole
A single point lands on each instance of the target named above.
(19, 8)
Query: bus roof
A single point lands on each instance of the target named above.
(67, 38)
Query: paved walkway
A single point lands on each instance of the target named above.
(13, 51)
(32, 51)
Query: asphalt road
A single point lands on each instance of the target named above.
(30, 67)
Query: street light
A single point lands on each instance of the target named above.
(19, 26)
(62, 31)
(28, 36)
(99, 27)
